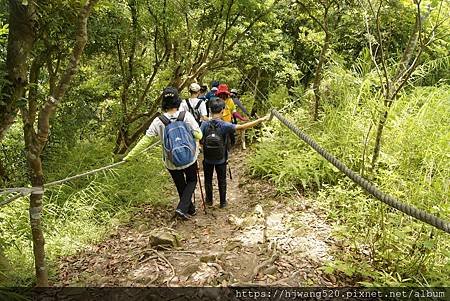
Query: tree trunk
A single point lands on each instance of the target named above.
(318, 75)
(36, 140)
(121, 147)
(406, 67)
(33, 151)
(380, 128)
(21, 37)
(36, 224)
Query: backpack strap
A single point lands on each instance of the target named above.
(213, 125)
(164, 119)
(198, 104)
(181, 115)
(189, 105)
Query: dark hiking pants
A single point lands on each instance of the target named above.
(185, 181)
(221, 170)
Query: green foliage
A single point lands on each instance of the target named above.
(124, 68)
(82, 211)
(296, 164)
(12, 158)
(386, 247)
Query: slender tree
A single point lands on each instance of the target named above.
(36, 134)
(327, 15)
(394, 78)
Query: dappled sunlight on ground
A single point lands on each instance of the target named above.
(261, 238)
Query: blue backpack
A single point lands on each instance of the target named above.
(179, 144)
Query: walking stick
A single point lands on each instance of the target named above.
(201, 189)
(229, 170)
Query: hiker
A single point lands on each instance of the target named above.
(223, 93)
(235, 97)
(203, 91)
(179, 133)
(215, 134)
(194, 105)
(212, 93)
(229, 109)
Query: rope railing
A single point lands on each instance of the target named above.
(24, 191)
(355, 177)
(366, 185)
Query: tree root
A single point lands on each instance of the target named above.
(163, 258)
(217, 266)
(265, 263)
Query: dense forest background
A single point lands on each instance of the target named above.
(368, 79)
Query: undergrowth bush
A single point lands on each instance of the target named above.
(83, 211)
(387, 248)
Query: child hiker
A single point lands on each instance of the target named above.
(215, 135)
(179, 133)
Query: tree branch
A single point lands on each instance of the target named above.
(312, 16)
(49, 107)
(380, 42)
(259, 17)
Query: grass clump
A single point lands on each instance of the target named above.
(83, 211)
(385, 246)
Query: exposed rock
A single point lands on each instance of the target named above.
(164, 238)
(259, 212)
(236, 221)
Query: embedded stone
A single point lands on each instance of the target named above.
(164, 238)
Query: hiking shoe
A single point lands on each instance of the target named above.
(209, 203)
(181, 215)
(222, 205)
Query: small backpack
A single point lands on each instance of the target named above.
(213, 144)
(195, 111)
(179, 144)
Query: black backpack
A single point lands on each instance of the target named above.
(213, 143)
(195, 111)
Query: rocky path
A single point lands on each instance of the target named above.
(261, 238)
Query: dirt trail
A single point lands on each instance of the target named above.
(261, 238)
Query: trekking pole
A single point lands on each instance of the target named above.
(201, 189)
(229, 170)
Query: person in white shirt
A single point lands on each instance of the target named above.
(184, 177)
(194, 105)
